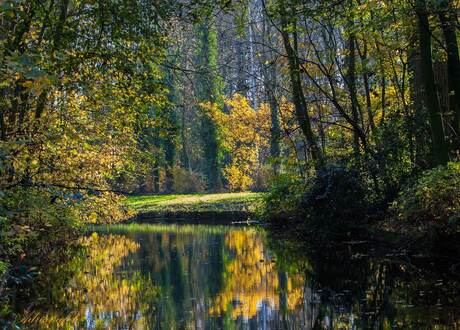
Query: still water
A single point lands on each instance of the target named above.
(216, 277)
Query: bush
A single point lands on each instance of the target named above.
(432, 201)
(32, 222)
(283, 199)
(333, 197)
(35, 222)
(186, 182)
(338, 196)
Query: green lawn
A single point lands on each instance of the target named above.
(224, 202)
(166, 228)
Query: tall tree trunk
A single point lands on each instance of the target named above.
(252, 62)
(156, 179)
(448, 18)
(275, 131)
(365, 74)
(420, 126)
(298, 96)
(209, 90)
(440, 147)
(351, 82)
(2, 124)
(170, 141)
(241, 83)
(185, 161)
(269, 73)
(57, 40)
(170, 158)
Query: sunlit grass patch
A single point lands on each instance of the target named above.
(166, 228)
(150, 199)
(223, 202)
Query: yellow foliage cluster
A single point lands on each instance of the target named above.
(244, 133)
(72, 113)
(81, 142)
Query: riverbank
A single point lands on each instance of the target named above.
(222, 207)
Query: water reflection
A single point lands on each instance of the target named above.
(98, 289)
(204, 277)
(357, 285)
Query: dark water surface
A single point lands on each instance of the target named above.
(216, 277)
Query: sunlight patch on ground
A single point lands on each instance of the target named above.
(241, 201)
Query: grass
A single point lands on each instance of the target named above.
(195, 203)
(165, 228)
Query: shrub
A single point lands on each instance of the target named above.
(337, 196)
(332, 197)
(284, 196)
(391, 162)
(433, 200)
(34, 222)
(188, 181)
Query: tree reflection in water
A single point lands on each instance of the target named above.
(203, 277)
(359, 286)
(94, 290)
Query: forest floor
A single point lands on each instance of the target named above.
(222, 206)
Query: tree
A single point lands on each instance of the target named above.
(270, 72)
(77, 81)
(448, 18)
(245, 133)
(208, 89)
(440, 147)
(289, 34)
(170, 140)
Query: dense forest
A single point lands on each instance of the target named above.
(345, 112)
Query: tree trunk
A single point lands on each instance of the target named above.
(448, 18)
(351, 82)
(370, 115)
(420, 126)
(440, 147)
(184, 154)
(252, 64)
(300, 103)
(269, 73)
(156, 179)
(241, 83)
(275, 149)
(209, 91)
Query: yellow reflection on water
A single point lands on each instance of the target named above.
(252, 280)
(175, 277)
(96, 296)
